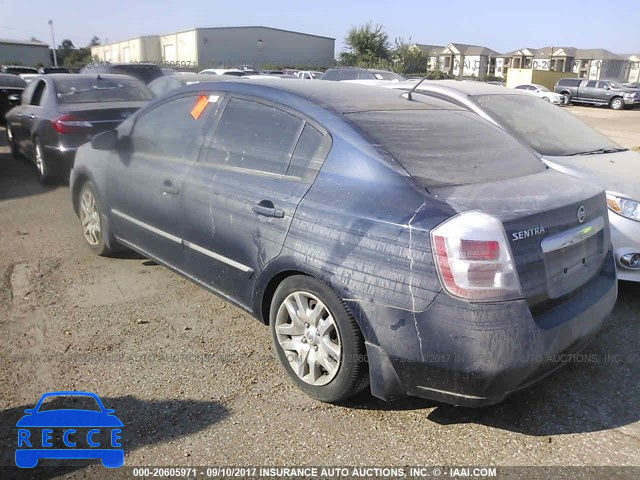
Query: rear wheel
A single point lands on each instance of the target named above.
(13, 146)
(567, 98)
(45, 175)
(616, 103)
(317, 340)
(546, 99)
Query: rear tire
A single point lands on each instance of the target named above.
(617, 103)
(317, 340)
(567, 98)
(546, 99)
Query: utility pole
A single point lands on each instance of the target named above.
(53, 39)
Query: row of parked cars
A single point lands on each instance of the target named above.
(447, 240)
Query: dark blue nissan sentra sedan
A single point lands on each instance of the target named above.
(406, 244)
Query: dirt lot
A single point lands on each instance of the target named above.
(195, 383)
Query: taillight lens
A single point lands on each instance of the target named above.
(473, 258)
(69, 124)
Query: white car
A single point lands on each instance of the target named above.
(28, 77)
(309, 74)
(542, 92)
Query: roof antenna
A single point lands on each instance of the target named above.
(409, 97)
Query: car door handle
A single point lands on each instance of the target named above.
(18, 115)
(32, 116)
(267, 209)
(168, 188)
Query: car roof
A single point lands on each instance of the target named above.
(459, 87)
(106, 76)
(340, 97)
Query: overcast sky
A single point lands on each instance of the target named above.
(498, 24)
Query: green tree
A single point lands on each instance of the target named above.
(367, 46)
(406, 57)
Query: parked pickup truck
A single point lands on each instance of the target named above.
(597, 92)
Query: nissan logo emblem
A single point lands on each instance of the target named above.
(581, 214)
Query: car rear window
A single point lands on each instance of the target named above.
(443, 147)
(544, 127)
(570, 81)
(11, 81)
(100, 89)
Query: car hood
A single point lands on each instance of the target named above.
(616, 172)
(69, 418)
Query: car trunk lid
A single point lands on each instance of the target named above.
(101, 116)
(557, 227)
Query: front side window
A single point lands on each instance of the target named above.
(348, 75)
(174, 130)
(591, 84)
(255, 136)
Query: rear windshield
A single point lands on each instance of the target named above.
(93, 89)
(544, 127)
(444, 147)
(11, 81)
(19, 70)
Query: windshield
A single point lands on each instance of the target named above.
(447, 147)
(542, 88)
(388, 76)
(544, 127)
(94, 89)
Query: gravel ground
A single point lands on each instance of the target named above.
(195, 381)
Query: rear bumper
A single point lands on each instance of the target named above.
(476, 354)
(625, 238)
(60, 159)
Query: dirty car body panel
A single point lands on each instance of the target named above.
(359, 214)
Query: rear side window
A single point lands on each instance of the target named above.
(591, 84)
(310, 152)
(330, 75)
(255, 136)
(38, 93)
(440, 147)
(170, 131)
(570, 82)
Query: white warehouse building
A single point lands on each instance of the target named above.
(223, 47)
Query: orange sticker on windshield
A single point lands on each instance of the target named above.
(199, 107)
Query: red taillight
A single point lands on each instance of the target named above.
(69, 124)
(473, 258)
(479, 250)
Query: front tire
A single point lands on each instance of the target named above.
(546, 99)
(94, 228)
(616, 103)
(567, 98)
(317, 340)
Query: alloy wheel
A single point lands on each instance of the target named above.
(90, 218)
(39, 160)
(309, 336)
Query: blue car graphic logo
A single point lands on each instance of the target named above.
(98, 430)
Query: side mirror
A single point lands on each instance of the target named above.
(105, 141)
(14, 98)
